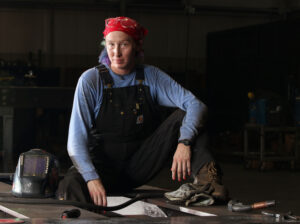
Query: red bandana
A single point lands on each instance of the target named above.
(127, 25)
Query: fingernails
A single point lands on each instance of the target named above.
(184, 178)
(179, 180)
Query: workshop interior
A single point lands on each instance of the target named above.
(241, 58)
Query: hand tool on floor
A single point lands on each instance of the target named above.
(237, 206)
(285, 216)
(73, 213)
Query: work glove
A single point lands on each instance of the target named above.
(191, 194)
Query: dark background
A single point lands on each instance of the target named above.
(220, 50)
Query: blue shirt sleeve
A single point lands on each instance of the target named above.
(168, 92)
(87, 97)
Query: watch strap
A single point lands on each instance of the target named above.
(186, 142)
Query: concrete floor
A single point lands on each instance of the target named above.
(246, 185)
(252, 185)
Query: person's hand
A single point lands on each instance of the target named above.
(97, 192)
(181, 162)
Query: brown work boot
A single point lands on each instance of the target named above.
(210, 173)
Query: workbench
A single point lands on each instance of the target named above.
(13, 98)
(263, 153)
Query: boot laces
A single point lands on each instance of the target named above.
(213, 173)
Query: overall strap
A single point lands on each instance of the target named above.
(104, 73)
(140, 74)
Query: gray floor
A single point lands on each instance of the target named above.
(252, 185)
(245, 185)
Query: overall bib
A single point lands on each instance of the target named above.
(126, 118)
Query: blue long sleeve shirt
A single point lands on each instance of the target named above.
(88, 99)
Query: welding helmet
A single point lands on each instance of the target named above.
(37, 175)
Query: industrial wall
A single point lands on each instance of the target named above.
(69, 38)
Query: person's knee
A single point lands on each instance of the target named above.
(72, 184)
(178, 115)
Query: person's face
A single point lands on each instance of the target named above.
(121, 50)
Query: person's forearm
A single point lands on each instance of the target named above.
(85, 167)
(193, 120)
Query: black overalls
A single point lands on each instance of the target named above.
(127, 116)
(128, 143)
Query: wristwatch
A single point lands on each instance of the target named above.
(185, 142)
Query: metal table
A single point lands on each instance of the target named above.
(263, 153)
